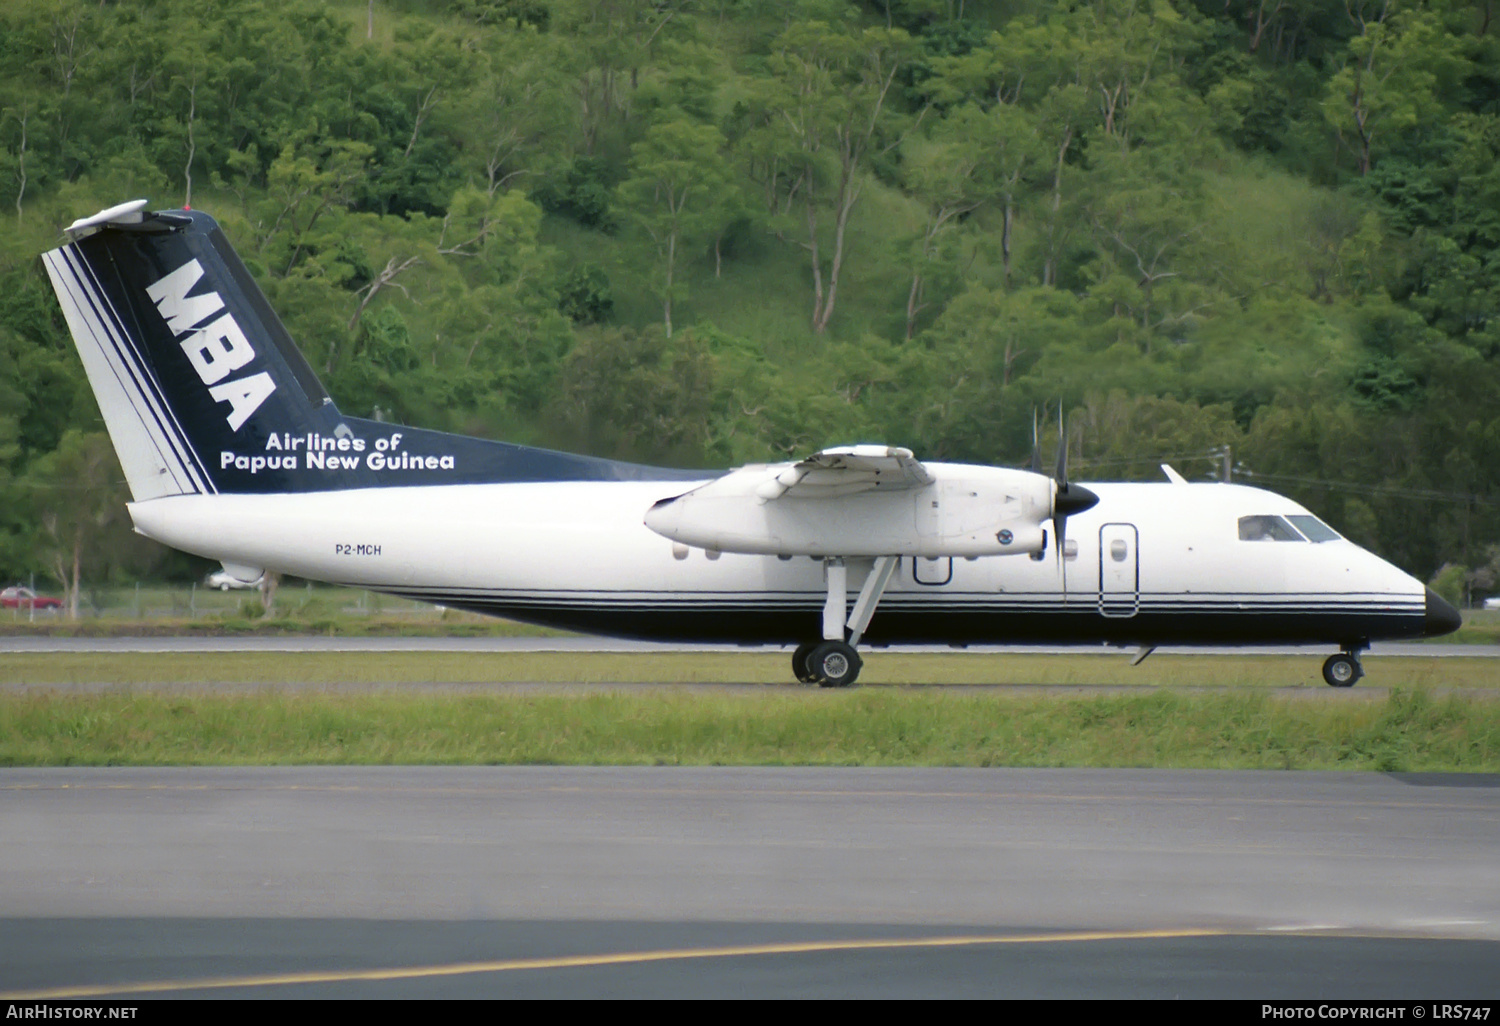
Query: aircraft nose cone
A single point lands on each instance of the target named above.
(1441, 618)
(1076, 499)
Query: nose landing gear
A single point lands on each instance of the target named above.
(1342, 670)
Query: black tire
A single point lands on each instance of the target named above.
(834, 664)
(1342, 670)
(800, 669)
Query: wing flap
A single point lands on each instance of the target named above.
(848, 470)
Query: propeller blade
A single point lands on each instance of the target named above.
(1061, 474)
(1060, 528)
(1067, 499)
(1036, 449)
(1059, 498)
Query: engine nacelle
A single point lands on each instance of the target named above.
(964, 511)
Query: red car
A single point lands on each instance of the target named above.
(24, 598)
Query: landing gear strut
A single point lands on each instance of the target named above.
(833, 662)
(1342, 670)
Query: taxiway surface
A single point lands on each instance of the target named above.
(510, 881)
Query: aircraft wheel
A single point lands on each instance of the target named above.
(834, 664)
(1342, 670)
(800, 669)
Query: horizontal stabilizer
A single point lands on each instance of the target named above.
(119, 214)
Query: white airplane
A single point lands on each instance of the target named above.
(234, 451)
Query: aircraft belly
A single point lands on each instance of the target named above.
(789, 619)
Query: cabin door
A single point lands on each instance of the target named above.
(1119, 570)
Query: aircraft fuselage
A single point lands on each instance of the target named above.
(1154, 564)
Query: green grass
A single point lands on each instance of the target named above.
(1436, 714)
(1408, 731)
(1481, 627)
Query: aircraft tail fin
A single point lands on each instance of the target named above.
(203, 390)
(200, 385)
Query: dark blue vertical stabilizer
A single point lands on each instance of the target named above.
(204, 391)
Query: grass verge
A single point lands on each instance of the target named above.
(753, 667)
(1409, 730)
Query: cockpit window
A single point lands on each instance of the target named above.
(1315, 529)
(1267, 528)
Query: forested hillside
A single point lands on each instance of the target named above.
(713, 231)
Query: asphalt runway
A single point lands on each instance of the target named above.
(380, 882)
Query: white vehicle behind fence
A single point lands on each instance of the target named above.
(223, 581)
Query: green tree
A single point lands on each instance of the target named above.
(78, 495)
(1151, 223)
(1118, 435)
(676, 192)
(520, 110)
(638, 394)
(821, 116)
(1389, 79)
(498, 308)
(968, 159)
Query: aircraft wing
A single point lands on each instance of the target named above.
(847, 470)
(861, 500)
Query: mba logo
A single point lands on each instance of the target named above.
(216, 349)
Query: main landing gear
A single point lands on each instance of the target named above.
(833, 662)
(1342, 670)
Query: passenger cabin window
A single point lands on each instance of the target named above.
(1267, 528)
(1314, 529)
